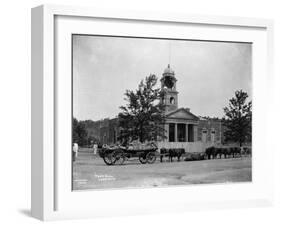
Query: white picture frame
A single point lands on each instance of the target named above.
(51, 197)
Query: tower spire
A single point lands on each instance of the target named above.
(168, 85)
(169, 54)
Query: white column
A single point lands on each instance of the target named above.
(186, 132)
(176, 132)
(166, 127)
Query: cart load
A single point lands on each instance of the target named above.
(117, 154)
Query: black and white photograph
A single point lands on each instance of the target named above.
(157, 112)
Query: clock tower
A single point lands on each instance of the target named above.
(168, 86)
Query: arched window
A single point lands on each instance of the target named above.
(172, 100)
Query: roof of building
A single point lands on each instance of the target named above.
(206, 118)
(181, 113)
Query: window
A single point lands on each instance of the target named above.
(172, 100)
(204, 135)
(213, 135)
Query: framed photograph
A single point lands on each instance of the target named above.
(136, 112)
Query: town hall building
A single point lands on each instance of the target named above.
(182, 128)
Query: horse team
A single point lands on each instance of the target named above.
(210, 153)
(216, 152)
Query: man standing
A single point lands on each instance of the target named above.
(95, 147)
(75, 151)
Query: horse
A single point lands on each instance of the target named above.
(235, 151)
(210, 151)
(171, 153)
(176, 152)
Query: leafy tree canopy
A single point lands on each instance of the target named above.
(143, 116)
(238, 118)
(79, 132)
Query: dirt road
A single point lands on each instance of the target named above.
(90, 172)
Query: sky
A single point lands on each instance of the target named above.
(208, 73)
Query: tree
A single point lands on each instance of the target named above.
(238, 118)
(143, 116)
(79, 132)
(75, 136)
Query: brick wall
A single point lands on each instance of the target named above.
(211, 126)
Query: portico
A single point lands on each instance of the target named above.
(181, 126)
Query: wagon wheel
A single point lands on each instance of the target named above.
(142, 158)
(107, 158)
(119, 157)
(151, 157)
